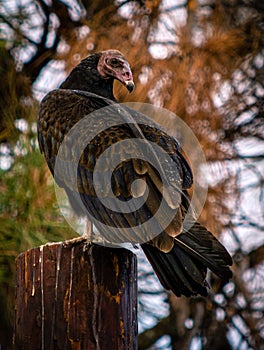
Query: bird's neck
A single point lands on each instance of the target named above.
(90, 82)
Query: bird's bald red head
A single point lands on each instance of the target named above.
(113, 65)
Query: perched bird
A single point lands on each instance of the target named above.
(177, 246)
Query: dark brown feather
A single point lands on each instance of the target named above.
(179, 256)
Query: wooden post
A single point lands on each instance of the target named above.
(76, 296)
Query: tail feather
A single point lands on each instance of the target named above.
(201, 244)
(183, 269)
(176, 271)
(200, 235)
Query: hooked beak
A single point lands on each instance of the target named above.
(124, 75)
(130, 85)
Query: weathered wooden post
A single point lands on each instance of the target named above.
(76, 296)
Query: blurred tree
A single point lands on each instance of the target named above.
(203, 60)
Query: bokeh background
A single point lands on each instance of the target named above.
(201, 59)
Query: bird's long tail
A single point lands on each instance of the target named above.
(183, 270)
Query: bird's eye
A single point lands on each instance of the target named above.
(113, 62)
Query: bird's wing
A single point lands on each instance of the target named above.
(59, 111)
(130, 146)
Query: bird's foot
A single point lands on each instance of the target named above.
(86, 237)
(88, 231)
(76, 240)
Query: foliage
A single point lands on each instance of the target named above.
(29, 217)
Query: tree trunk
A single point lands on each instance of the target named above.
(75, 296)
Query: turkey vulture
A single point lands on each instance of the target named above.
(179, 254)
